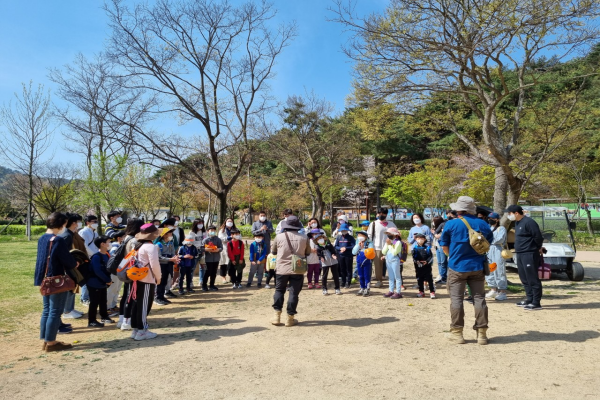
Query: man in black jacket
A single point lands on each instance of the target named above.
(528, 246)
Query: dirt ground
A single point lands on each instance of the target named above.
(221, 345)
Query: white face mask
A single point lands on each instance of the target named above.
(321, 241)
(79, 225)
(229, 224)
(361, 238)
(417, 221)
(314, 225)
(157, 225)
(262, 218)
(171, 227)
(200, 226)
(94, 226)
(212, 233)
(237, 237)
(258, 240)
(119, 220)
(188, 244)
(176, 223)
(344, 233)
(511, 217)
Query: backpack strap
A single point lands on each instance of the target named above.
(466, 223)
(49, 255)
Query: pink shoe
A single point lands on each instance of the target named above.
(318, 286)
(388, 294)
(432, 295)
(421, 294)
(310, 285)
(396, 296)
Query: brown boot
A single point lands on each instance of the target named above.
(277, 320)
(58, 347)
(482, 336)
(456, 335)
(291, 321)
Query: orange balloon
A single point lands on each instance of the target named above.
(370, 253)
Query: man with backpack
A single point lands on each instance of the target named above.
(463, 240)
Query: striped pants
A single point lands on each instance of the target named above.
(141, 306)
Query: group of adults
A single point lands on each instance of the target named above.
(459, 264)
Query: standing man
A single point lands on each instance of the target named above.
(89, 234)
(465, 266)
(528, 246)
(179, 232)
(265, 227)
(115, 225)
(286, 213)
(287, 243)
(378, 236)
(73, 241)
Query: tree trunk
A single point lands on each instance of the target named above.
(222, 210)
(500, 189)
(590, 228)
(99, 216)
(319, 205)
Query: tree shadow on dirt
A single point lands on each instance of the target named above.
(577, 306)
(351, 322)
(536, 336)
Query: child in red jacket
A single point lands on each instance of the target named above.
(235, 251)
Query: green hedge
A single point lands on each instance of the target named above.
(19, 230)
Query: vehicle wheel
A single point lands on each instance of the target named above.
(575, 273)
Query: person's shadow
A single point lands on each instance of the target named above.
(536, 336)
(351, 322)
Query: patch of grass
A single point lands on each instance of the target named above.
(515, 289)
(572, 292)
(18, 296)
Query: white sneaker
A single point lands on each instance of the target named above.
(501, 297)
(338, 291)
(72, 315)
(492, 294)
(149, 335)
(141, 335)
(378, 284)
(234, 286)
(267, 287)
(125, 326)
(119, 324)
(134, 333)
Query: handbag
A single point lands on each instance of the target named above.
(299, 264)
(544, 270)
(55, 284)
(506, 253)
(477, 241)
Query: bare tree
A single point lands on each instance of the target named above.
(209, 63)
(28, 124)
(57, 189)
(481, 52)
(101, 120)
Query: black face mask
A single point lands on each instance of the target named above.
(450, 218)
(382, 217)
(391, 237)
(492, 222)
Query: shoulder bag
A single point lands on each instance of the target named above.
(55, 284)
(299, 265)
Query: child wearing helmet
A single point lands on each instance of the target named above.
(423, 258)
(364, 252)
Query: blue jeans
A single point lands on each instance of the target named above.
(201, 271)
(54, 306)
(70, 302)
(394, 276)
(85, 295)
(442, 261)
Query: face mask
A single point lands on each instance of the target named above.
(176, 223)
(417, 221)
(512, 217)
(229, 224)
(200, 226)
(344, 233)
(119, 220)
(381, 217)
(321, 241)
(171, 227)
(450, 218)
(237, 237)
(492, 222)
(361, 238)
(262, 219)
(94, 226)
(157, 225)
(258, 240)
(314, 225)
(167, 240)
(79, 225)
(212, 233)
(391, 237)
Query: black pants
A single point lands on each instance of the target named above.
(165, 271)
(144, 296)
(97, 300)
(528, 264)
(125, 306)
(235, 273)
(271, 275)
(211, 272)
(345, 269)
(185, 272)
(424, 275)
(325, 274)
(281, 285)
(223, 270)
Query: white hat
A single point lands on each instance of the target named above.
(343, 216)
(464, 203)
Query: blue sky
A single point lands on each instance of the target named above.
(39, 34)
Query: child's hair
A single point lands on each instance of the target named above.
(118, 234)
(99, 240)
(260, 235)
